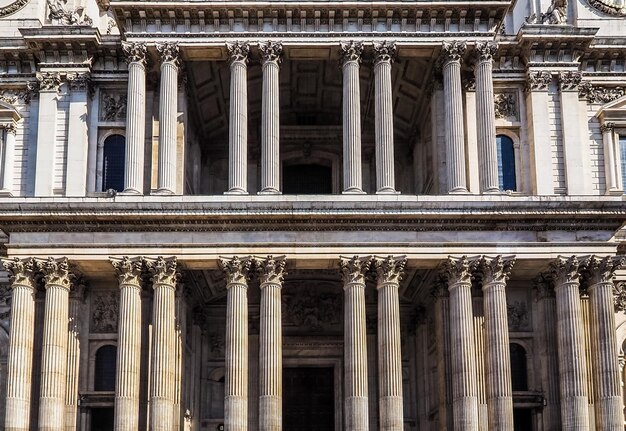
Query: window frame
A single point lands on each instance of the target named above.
(509, 133)
(103, 134)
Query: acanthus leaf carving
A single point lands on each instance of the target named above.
(79, 81)
(599, 94)
(485, 51)
(128, 271)
(458, 269)
(56, 272)
(163, 271)
(384, 52)
(607, 127)
(13, 97)
(452, 51)
(601, 269)
(569, 80)
(135, 52)
(271, 270)
(353, 269)
(351, 51)
(389, 269)
(49, 81)
(238, 51)
(22, 272)
(496, 269)
(169, 52)
(271, 51)
(565, 270)
(538, 80)
(236, 269)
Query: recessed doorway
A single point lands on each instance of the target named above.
(102, 419)
(308, 399)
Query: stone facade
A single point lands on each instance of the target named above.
(312, 216)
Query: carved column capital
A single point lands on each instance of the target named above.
(21, 271)
(9, 128)
(135, 52)
(238, 51)
(496, 269)
(389, 270)
(351, 51)
(79, 287)
(80, 82)
(452, 52)
(163, 271)
(169, 52)
(439, 289)
(607, 127)
(538, 81)
(271, 52)
(128, 271)
(458, 269)
(49, 81)
(384, 52)
(236, 269)
(601, 269)
(565, 270)
(271, 270)
(569, 81)
(543, 286)
(353, 269)
(56, 272)
(485, 51)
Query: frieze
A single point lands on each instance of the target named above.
(14, 97)
(311, 307)
(112, 106)
(608, 7)
(505, 105)
(12, 7)
(569, 81)
(104, 312)
(59, 15)
(599, 94)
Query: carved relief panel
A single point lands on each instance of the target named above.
(104, 312)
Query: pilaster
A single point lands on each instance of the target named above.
(538, 83)
(49, 85)
(389, 272)
(77, 134)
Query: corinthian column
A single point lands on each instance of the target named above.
(238, 119)
(135, 117)
(236, 344)
(168, 113)
(127, 377)
(21, 335)
(164, 278)
(464, 389)
(271, 272)
(496, 271)
(352, 176)
(571, 350)
(355, 342)
(389, 272)
(606, 371)
(451, 55)
(77, 296)
(54, 348)
(384, 55)
(270, 118)
(487, 153)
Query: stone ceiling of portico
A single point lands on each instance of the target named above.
(308, 88)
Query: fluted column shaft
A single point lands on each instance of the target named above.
(352, 171)
(21, 336)
(238, 120)
(464, 390)
(164, 280)
(168, 113)
(135, 118)
(496, 330)
(271, 273)
(606, 371)
(355, 343)
(453, 105)
(73, 358)
(127, 372)
(270, 118)
(54, 346)
(488, 156)
(571, 350)
(9, 159)
(236, 343)
(389, 273)
(383, 117)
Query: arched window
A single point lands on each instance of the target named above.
(519, 370)
(113, 164)
(506, 163)
(106, 361)
(307, 179)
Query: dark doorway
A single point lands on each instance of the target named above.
(522, 419)
(307, 179)
(308, 399)
(102, 419)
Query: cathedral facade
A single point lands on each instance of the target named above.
(319, 215)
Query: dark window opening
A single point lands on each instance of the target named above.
(102, 419)
(522, 420)
(506, 163)
(106, 360)
(114, 158)
(307, 179)
(519, 370)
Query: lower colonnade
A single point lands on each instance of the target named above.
(559, 289)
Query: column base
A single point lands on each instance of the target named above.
(130, 191)
(163, 192)
(493, 192)
(270, 191)
(387, 191)
(459, 191)
(236, 191)
(353, 191)
(6, 193)
(611, 192)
